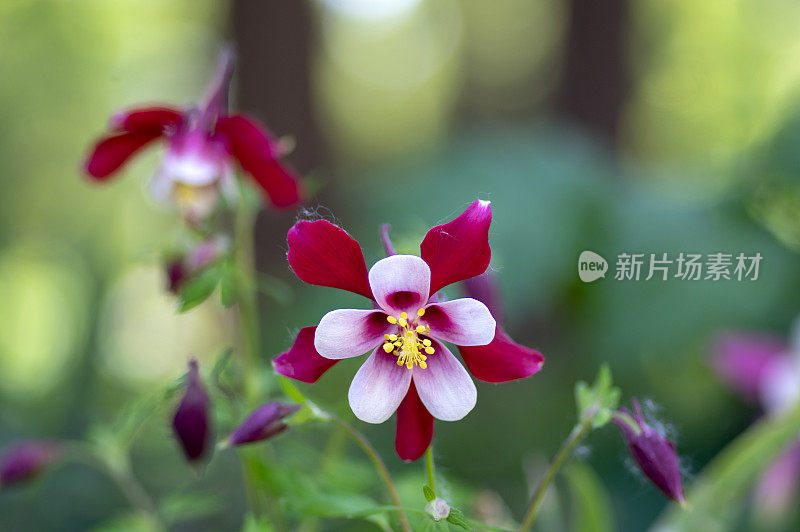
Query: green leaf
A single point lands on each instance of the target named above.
(183, 507)
(332, 504)
(129, 523)
(228, 284)
(226, 373)
(591, 506)
(597, 403)
(199, 288)
(730, 474)
(255, 524)
(428, 492)
(457, 518)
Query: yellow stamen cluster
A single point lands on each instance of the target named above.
(186, 195)
(407, 346)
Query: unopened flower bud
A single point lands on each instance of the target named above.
(438, 509)
(652, 451)
(25, 460)
(264, 423)
(183, 267)
(176, 275)
(192, 424)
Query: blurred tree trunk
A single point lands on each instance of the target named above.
(273, 40)
(274, 44)
(595, 75)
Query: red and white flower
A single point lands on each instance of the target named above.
(409, 369)
(203, 143)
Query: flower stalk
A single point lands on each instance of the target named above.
(122, 477)
(380, 467)
(578, 433)
(246, 298)
(430, 468)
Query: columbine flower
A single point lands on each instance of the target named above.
(409, 369)
(203, 143)
(191, 423)
(264, 423)
(25, 460)
(652, 451)
(181, 268)
(766, 369)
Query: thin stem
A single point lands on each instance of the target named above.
(247, 302)
(576, 435)
(383, 471)
(130, 488)
(429, 467)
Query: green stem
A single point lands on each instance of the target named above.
(247, 303)
(429, 467)
(383, 471)
(576, 435)
(246, 298)
(122, 477)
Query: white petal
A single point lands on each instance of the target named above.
(400, 283)
(347, 333)
(378, 387)
(161, 187)
(464, 321)
(445, 387)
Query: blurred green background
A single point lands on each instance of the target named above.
(614, 126)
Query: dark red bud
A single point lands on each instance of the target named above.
(25, 460)
(264, 423)
(192, 424)
(653, 452)
(176, 275)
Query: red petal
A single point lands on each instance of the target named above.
(501, 360)
(323, 254)
(149, 119)
(301, 361)
(414, 427)
(254, 148)
(459, 249)
(111, 153)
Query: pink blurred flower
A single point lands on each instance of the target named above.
(203, 145)
(23, 461)
(777, 488)
(766, 369)
(409, 370)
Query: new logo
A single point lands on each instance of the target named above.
(591, 266)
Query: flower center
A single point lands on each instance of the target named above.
(407, 346)
(187, 195)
